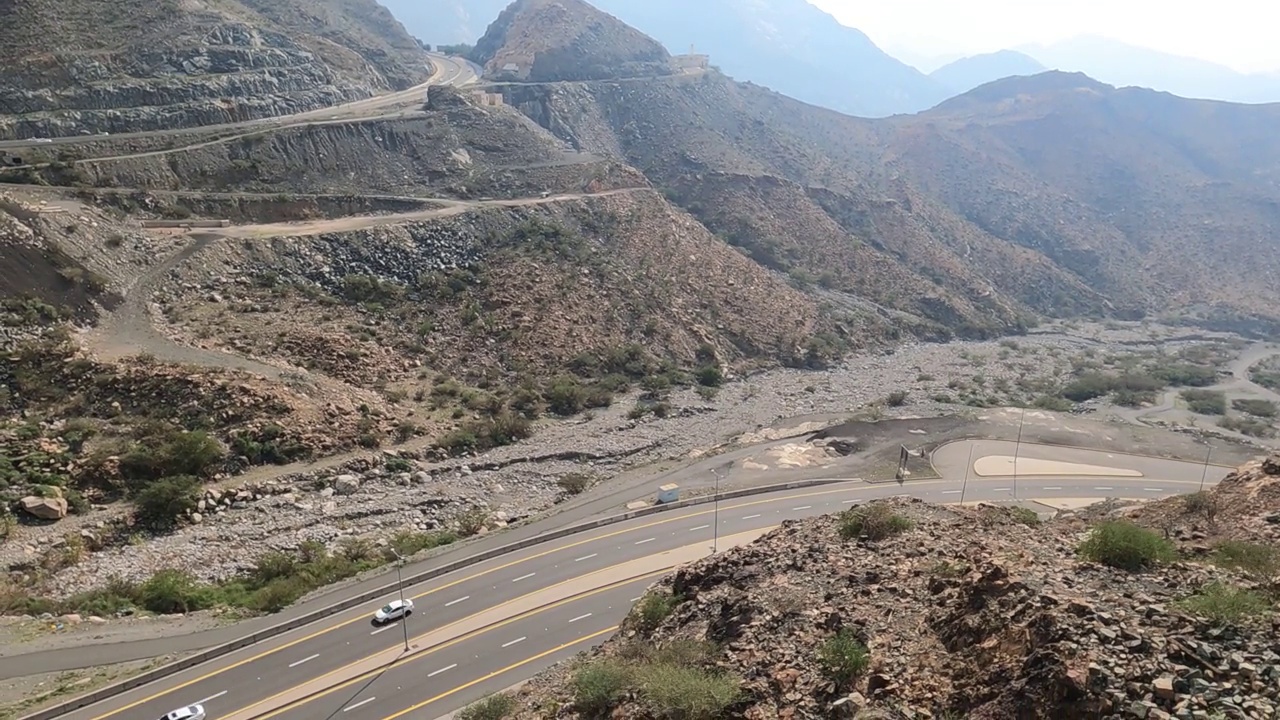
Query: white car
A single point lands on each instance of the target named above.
(393, 610)
(190, 712)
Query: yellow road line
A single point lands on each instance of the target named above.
(502, 671)
(446, 586)
(434, 649)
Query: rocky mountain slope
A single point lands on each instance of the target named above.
(542, 40)
(75, 68)
(1051, 194)
(905, 610)
(787, 45)
(1160, 203)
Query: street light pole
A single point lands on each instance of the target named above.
(1205, 475)
(404, 622)
(1017, 447)
(715, 522)
(967, 467)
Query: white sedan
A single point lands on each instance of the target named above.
(393, 610)
(190, 712)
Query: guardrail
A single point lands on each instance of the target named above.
(164, 671)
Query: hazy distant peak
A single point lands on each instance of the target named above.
(970, 72)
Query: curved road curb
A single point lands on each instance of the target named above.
(364, 597)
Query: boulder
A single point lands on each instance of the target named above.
(44, 508)
(346, 484)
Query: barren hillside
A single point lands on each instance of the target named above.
(901, 609)
(73, 67)
(542, 40)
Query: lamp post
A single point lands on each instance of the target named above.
(1205, 475)
(1017, 446)
(715, 521)
(968, 466)
(404, 622)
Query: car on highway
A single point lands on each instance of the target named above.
(43, 140)
(393, 610)
(190, 712)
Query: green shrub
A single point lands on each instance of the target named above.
(1248, 426)
(1132, 398)
(1088, 387)
(686, 693)
(471, 521)
(505, 428)
(161, 504)
(1262, 560)
(396, 464)
(408, 543)
(268, 446)
(1026, 516)
(1185, 375)
(1201, 503)
(180, 453)
(493, 707)
(710, 376)
(174, 591)
(598, 686)
(566, 396)
(844, 657)
(653, 609)
(1205, 402)
(77, 503)
(1259, 408)
(1125, 546)
(875, 521)
(897, 398)
(1224, 604)
(574, 483)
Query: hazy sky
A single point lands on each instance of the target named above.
(1238, 33)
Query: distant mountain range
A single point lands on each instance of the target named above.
(797, 49)
(786, 45)
(968, 73)
(1118, 64)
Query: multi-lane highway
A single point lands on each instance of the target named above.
(446, 70)
(497, 622)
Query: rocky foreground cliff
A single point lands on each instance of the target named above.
(908, 610)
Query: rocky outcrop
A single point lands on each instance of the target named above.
(566, 40)
(67, 74)
(963, 613)
(1244, 507)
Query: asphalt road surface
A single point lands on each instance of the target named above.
(256, 681)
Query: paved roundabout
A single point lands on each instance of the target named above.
(498, 622)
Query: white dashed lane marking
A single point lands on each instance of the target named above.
(751, 517)
(580, 617)
(513, 642)
(455, 602)
(303, 660)
(641, 542)
(366, 701)
(524, 577)
(443, 669)
(586, 557)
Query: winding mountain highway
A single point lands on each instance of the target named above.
(446, 70)
(491, 625)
